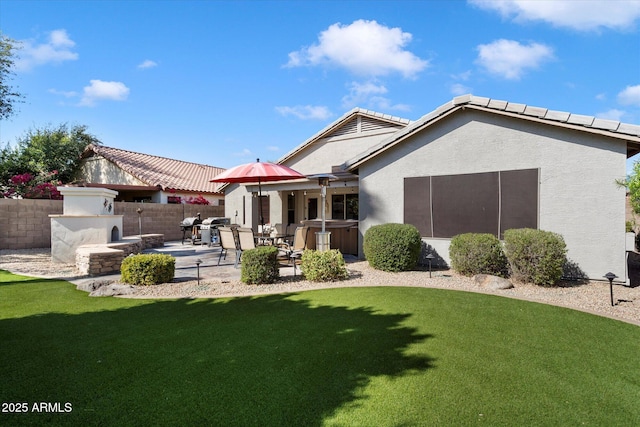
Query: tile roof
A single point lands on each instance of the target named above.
(161, 172)
(624, 131)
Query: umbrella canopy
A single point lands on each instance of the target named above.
(258, 172)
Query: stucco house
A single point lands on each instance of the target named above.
(292, 202)
(473, 164)
(142, 177)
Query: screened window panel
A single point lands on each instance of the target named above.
(519, 199)
(465, 204)
(417, 204)
(491, 202)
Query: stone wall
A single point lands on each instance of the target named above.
(26, 224)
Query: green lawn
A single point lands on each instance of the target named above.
(344, 357)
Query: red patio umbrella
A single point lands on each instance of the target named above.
(258, 172)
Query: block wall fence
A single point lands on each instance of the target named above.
(25, 224)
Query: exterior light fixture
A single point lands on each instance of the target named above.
(610, 276)
(430, 258)
(140, 210)
(198, 262)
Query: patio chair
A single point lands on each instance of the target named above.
(246, 240)
(294, 252)
(228, 242)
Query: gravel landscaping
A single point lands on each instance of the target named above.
(593, 297)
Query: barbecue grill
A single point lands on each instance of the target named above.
(209, 229)
(187, 226)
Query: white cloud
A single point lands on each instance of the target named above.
(273, 148)
(630, 96)
(147, 63)
(244, 153)
(464, 76)
(361, 93)
(583, 15)
(459, 89)
(612, 114)
(101, 90)
(57, 49)
(364, 48)
(510, 59)
(66, 94)
(306, 112)
(381, 103)
(368, 94)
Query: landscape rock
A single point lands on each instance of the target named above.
(492, 282)
(113, 289)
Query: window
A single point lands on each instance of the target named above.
(291, 209)
(344, 206)
(491, 202)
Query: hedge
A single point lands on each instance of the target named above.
(148, 269)
(260, 265)
(323, 266)
(478, 253)
(535, 256)
(392, 247)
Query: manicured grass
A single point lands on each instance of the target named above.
(343, 357)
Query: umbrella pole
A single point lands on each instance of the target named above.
(261, 221)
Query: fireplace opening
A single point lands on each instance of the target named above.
(115, 234)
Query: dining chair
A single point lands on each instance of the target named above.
(228, 242)
(294, 252)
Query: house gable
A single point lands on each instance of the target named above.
(354, 132)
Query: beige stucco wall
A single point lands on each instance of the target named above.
(327, 152)
(578, 195)
(100, 170)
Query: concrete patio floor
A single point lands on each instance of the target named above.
(187, 254)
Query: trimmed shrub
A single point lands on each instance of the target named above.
(392, 247)
(535, 256)
(147, 269)
(260, 265)
(323, 266)
(478, 253)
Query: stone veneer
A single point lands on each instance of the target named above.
(95, 260)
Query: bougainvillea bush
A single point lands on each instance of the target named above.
(27, 186)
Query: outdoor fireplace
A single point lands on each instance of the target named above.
(87, 219)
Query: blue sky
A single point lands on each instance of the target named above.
(224, 82)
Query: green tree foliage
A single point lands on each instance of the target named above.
(45, 154)
(633, 186)
(8, 95)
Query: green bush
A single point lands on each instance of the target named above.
(260, 265)
(324, 266)
(535, 256)
(148, 269)
(392, 247)
(478, 253)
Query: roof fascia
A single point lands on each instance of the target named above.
(461, 103)
(629, 139)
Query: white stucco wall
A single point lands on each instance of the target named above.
(578, 195)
